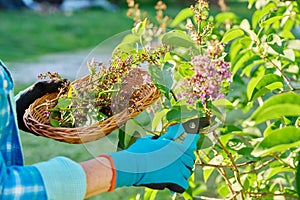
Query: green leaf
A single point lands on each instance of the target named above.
(158, 118)
(54, 122)
(204, 142)
(272, 127)
(232, 34)
(277, 48)
(185, 69)
(143, 118)
(178, 38)
(270, 21)
(278, 140)
(265, 84)
(174, 115)
(181, 16)
(235, 47)
(298, 166)
(225, 16)
(63, 103)
(294, 44)
(139, 28)
(241, 60)
(289, 54)
(150, 194)
(207, 171)
(253, 61)
(162, 78)
(274, 171)
(260, 14)
(128, 43)
(285, 104)
(131, 127)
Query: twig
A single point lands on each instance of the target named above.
(264, 194)
(225, 166)
(235, 169)
(259, 167)
(282, 74)
(280, 160)
(224, 175)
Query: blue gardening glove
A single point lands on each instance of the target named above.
(157, 163)
(28, 96)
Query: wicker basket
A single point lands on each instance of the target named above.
(38, 123)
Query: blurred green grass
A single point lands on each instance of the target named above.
(27, 35)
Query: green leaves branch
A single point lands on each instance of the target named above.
(266, 62)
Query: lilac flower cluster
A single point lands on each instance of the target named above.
(207, 82)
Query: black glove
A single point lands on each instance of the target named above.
(28, 96)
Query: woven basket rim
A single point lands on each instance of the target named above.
(89, 133)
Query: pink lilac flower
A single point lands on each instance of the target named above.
(205, 85)
(47, 113)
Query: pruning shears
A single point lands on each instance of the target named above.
(199, 125)
(195, 125)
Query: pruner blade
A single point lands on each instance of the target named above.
(197, 125)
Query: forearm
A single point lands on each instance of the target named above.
(99, 175)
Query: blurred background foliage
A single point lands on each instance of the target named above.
(26, 35)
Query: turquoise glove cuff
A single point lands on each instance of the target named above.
(63, 178)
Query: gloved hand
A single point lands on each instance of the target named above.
(28, 96)
(156, 163)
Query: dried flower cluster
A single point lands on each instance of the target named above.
(106, 90)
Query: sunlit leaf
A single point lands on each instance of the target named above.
(158, 118)
(294, 44)
(259, 14)
(181, 16)
(185, 69)
(207, 171)
(139, 28)
(286, 104)
(276, 170)
(270, 21)
(150, 194)
(225, 16)
(278, 140)
(243, 58)
(298, 166)
(232, 34)
(265, 84)
(252, 62)
(178, 38)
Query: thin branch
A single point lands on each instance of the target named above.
(263, 194)
(282, 74)
(235, 169)
(282, 161)
(202, 164)
(224, 175)
(259, 167)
